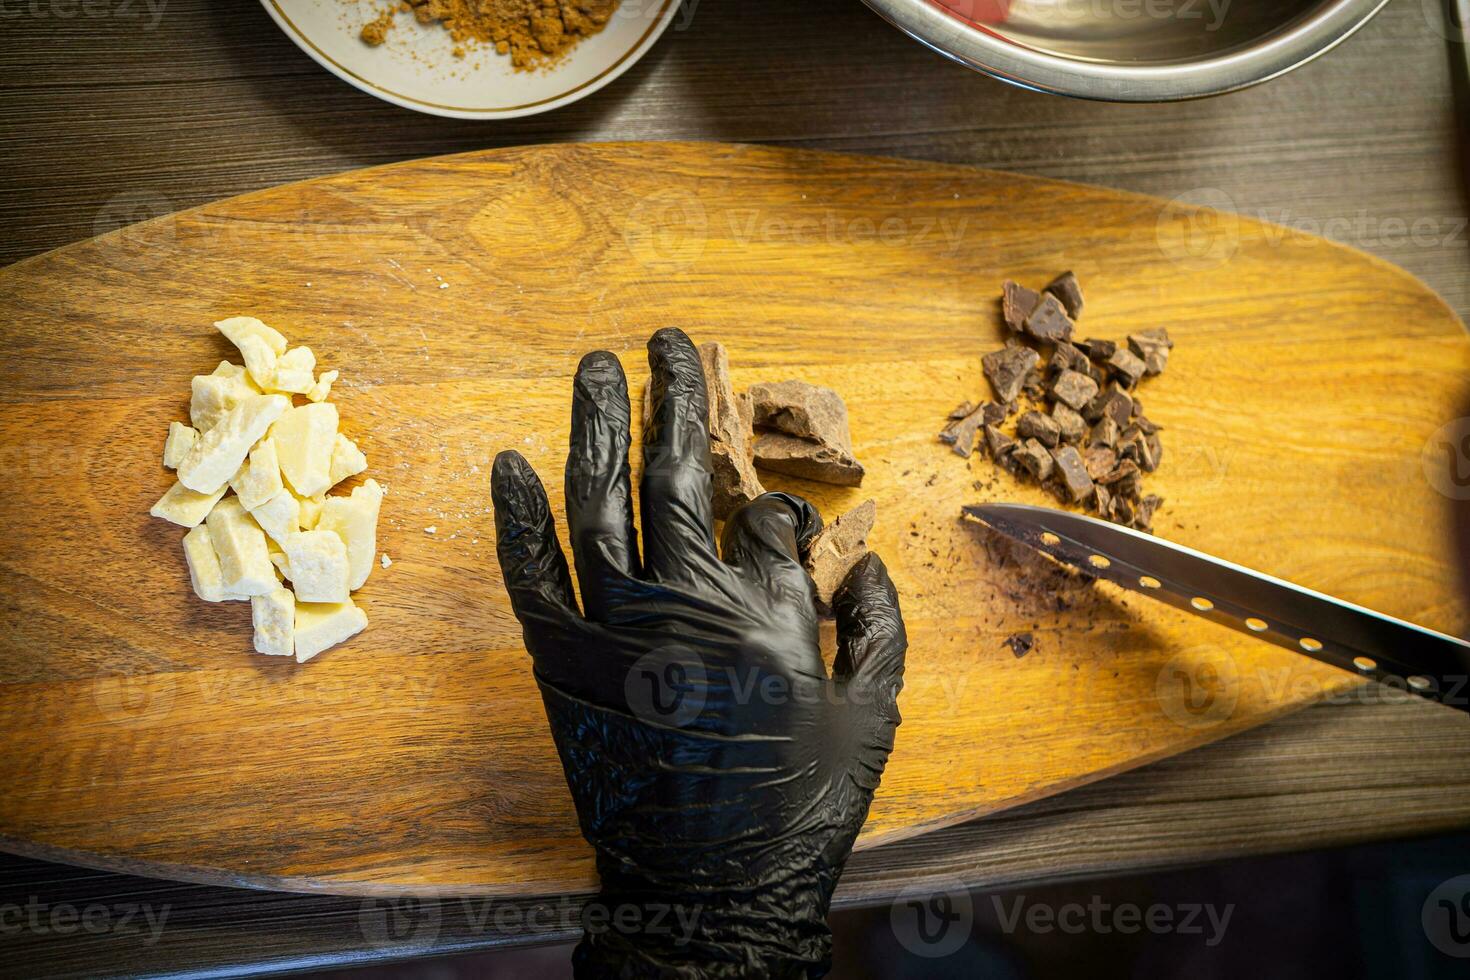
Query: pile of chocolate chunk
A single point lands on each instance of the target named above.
(1080, 430)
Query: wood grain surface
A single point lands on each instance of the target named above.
(143, 733)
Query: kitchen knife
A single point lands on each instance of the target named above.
(1432, 665)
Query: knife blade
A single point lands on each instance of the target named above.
(1421, 661)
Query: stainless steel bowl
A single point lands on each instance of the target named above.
(1130, 50)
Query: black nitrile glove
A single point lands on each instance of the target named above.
(719, 773)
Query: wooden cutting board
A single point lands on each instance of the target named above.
(456, 296)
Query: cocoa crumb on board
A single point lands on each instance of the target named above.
(1020, 644)
(1080, 430)
(533, 33)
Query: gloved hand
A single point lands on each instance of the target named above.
(719, 773)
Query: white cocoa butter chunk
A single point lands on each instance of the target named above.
(274, 617)
(204, 570)
(347, 460)
(244, 559)
(260, 361)
(320, 626)
(180, 440)
(236, 328)
(294, 371)
(213, 395)
(217, 454)
(185, 507)
(279, 517)
(355, 520)
(323, 386)
(305, 438)
(260, 479)
(319, 568)
(238, 372)
(311, 510)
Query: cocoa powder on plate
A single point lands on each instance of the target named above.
(533, 33)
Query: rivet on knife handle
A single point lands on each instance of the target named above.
(1430, 664)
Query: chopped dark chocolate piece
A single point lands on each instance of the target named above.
(998, 443)
(1125, 469)
(1149, 451)
(1073, 389)
(1100, 461)
(1042, 428)
(804, 410)
(836, 549)
(1126, 368)
(1144, 425)
(1016, 303)
(1114, 403)
(1035, 386)
(1099, 350)
(1102, 499)
(1122, 510)
(810, 438)
(963, 409)
(1144, 520)
(1104, 433)
(781, 453)
(961, 435)
(993, 413)
(1073, 472)
(1020, 644)
(735, 481)
(1034, 459)
(1070, 422)
(1065, 288)
(1049, 322)
(1068, 358)
(1007, 369)
(1152, 349)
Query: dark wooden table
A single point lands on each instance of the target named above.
(110, 118)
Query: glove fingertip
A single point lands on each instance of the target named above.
(870, 631)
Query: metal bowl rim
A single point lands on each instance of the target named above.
(944, 32)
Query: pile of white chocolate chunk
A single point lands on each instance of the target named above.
(280, 459)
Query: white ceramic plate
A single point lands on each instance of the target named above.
(417, 69)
